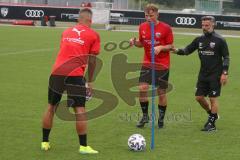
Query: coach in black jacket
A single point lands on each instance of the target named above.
(214, 56)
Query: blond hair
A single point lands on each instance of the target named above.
(150, 7)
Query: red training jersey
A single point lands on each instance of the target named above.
(77, 43)
(163, 36)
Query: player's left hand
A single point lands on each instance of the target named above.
(157, 50)
(223, 79)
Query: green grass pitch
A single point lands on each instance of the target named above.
(26, 58)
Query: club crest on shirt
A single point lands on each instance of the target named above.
(158, 34)
(212, 44)
(200, 45)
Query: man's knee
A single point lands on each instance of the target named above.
(80, 114)
(79, 110)
(213, 100)
(162, 97)
(199, 98)
(51, 108)
(143, 87)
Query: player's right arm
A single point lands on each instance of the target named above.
(188, 49)
(137, 42)
(134, 42)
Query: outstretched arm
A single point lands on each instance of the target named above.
(187, 50)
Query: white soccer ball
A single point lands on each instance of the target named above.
(137, 142)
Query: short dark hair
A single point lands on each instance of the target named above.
(208, 18)
(86, 10)
(151, 7)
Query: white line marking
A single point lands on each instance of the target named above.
(183, 33)
(26, 51)
(178, 33)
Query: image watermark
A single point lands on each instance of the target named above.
(123, 85)
(170, 117)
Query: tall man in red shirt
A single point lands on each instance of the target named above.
(77, 44)
(163, 43)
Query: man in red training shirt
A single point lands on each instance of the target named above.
(79, 46)
(163, 43)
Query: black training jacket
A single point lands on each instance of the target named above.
(212, 51)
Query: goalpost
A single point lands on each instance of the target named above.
(101, 14)
(209, 6)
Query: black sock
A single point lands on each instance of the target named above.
(45, 133)
(213, 117)
(83, 140)
(162, 110)
(144, 106)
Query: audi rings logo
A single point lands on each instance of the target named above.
(188, 21)
(34, 13)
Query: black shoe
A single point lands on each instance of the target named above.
(210, 120)
(205, 125)
(160, 123)
(142, 122)
(208, 127)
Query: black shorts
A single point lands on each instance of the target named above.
(73, 85)
(161, 77)
(208, 86)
